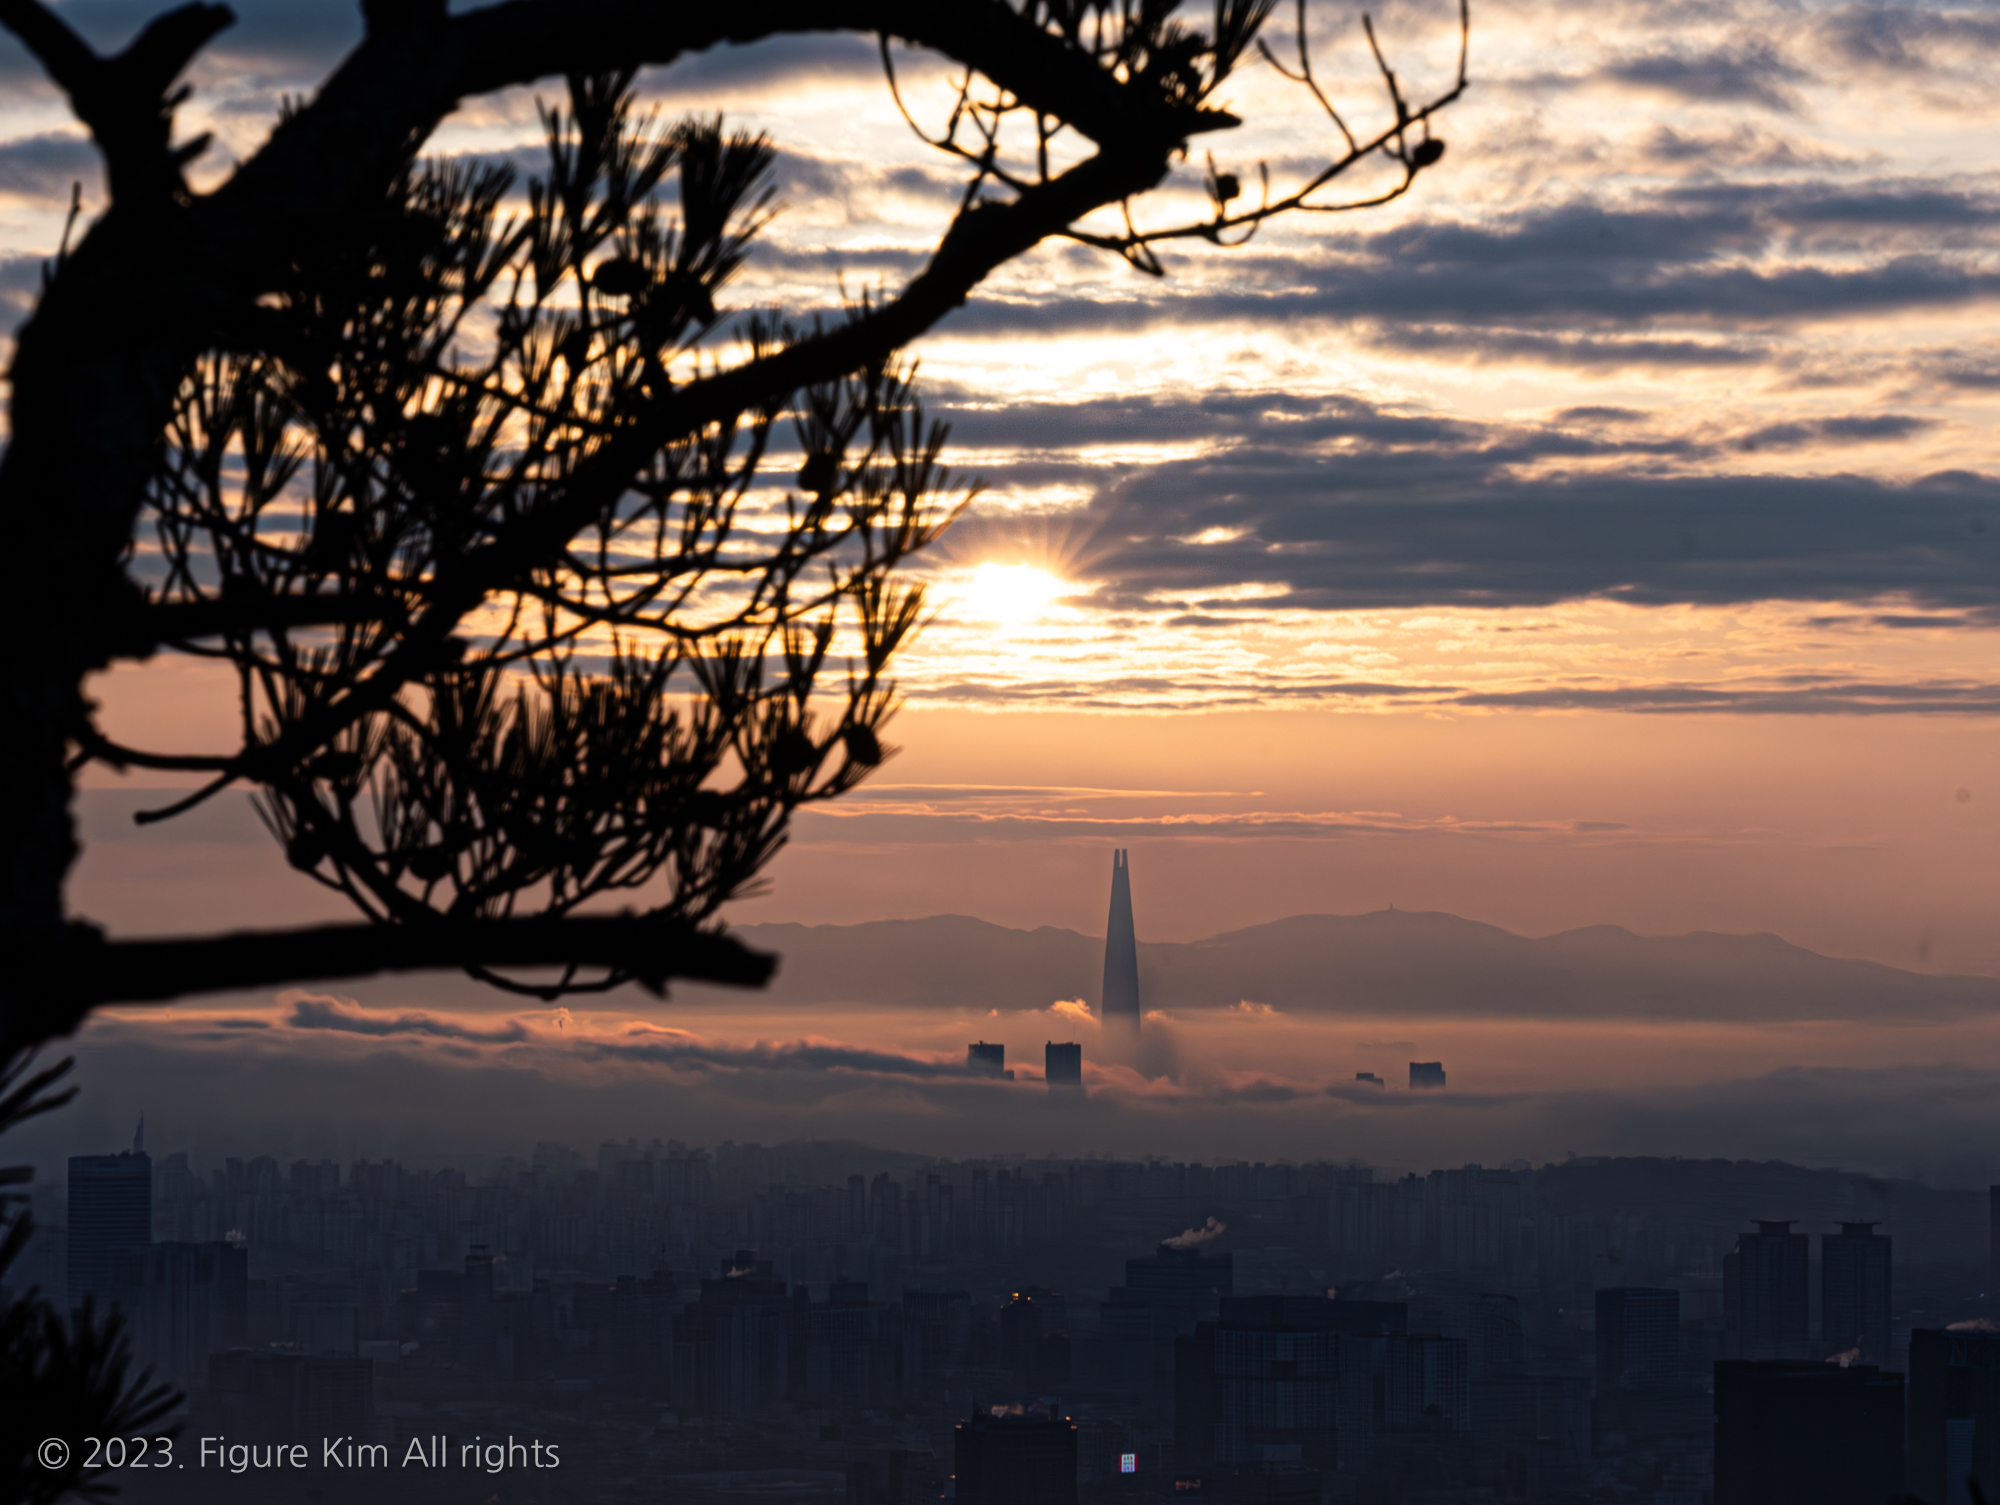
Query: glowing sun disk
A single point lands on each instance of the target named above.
(1012, 593)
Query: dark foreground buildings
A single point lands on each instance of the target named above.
(1015, 1455)
(1794, 1433)
(1638, 1337)
(1954, 1404)
(814, 1323)
(1280, 1394)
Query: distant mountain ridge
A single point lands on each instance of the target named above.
(1388, 961)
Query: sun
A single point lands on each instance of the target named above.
(1011, 594)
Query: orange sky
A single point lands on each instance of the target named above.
(1848, 835)
(1603, 534)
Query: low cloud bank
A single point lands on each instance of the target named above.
(435, 1092)
(311, 1011)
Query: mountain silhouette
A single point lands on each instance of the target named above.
(1368, 964)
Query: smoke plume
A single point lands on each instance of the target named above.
(1194, 1238)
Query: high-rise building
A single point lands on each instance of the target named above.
(1532, 1435)
(1954, 1434)
(1638, 1337)
(183, 1303)
(1764, 1296)
(1121, 951)
(1496, 1344)
(1426, 1074)
(1262, 1382)
(732, 1349)
(1034, 1338)
(292, 1397)
(1428, 1383)
(1311, 1382)
(1180, 1279)
(853, 1349)
(1854, 1292)
(1790, 1432)
(110, 1214)
(983, 1059)
(1010, 1455)
(1062, 1065)
(936, 1336)
(1164, 1295)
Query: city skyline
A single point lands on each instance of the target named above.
(511, 526)
(785, 1304)
(1259, 1074)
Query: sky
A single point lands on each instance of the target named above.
(1603, 534)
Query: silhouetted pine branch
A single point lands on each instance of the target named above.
(475, 502)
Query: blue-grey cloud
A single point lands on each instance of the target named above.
(1595, 413)
(1453, 285)
(1736, 255)
(688, 1052)
(886, 260)
(1417, 510)
(1930, 1121)
(1817, 433)
(773, 63)
(1831, 698)
(345, 1018)
(1815, 697)
(1752, 73)
(20, 285)
(304, 38)
(286, 44)
(1457, 537)
(1978, 372)
(1738, 147)
(679, 1051)
(1909, 40)
(1587, 351)
(43, 167)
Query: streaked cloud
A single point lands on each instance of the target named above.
(44, 167)
(1723, 349)
(309, 1012)
(1748, 73)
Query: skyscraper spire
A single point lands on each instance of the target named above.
(1121, 950)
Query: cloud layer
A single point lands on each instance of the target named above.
(1668, 328)
(432, 1100)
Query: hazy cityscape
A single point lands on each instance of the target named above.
(824, 1320)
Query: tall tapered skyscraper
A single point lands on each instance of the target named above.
(1121, 950)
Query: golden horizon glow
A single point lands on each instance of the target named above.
(1012, 595)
